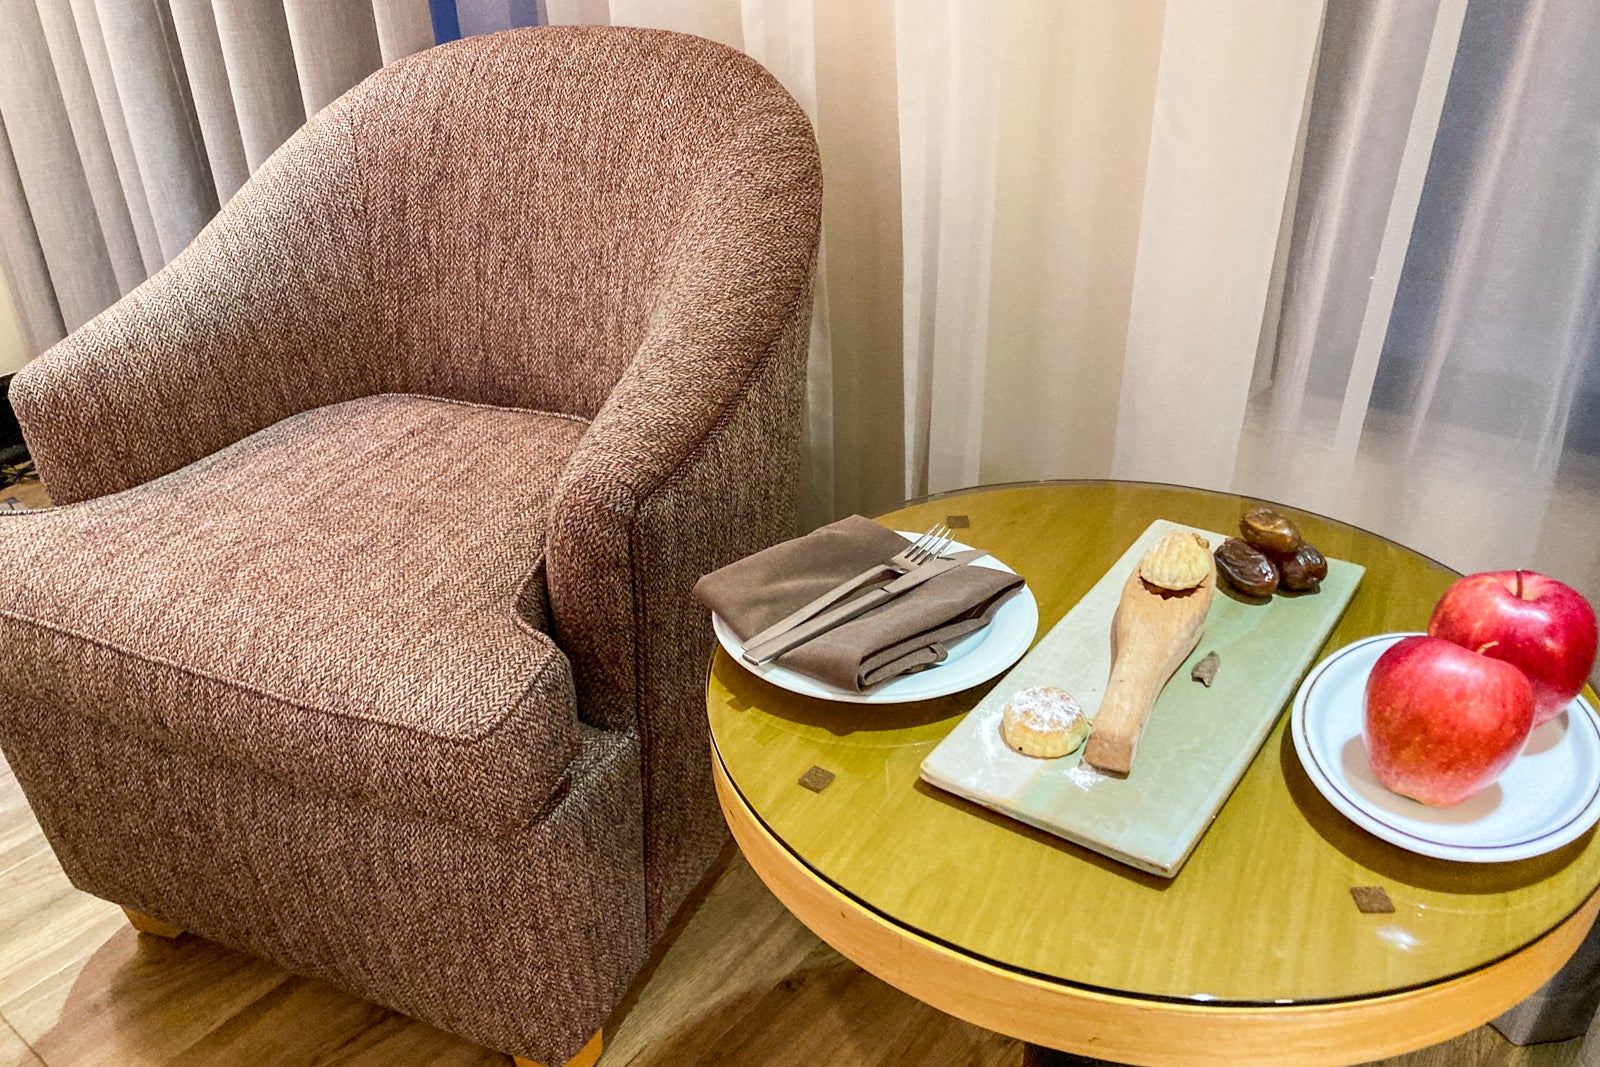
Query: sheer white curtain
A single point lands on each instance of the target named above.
(1093, 196)
(1435, 370)
(125, 123)
(1340, 258)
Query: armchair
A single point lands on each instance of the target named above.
(362, 637)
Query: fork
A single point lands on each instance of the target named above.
(929, 546)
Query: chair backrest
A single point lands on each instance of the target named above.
(527, 192)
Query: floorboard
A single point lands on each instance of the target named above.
(28, 492)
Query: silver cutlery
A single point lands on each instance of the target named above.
(771, 649)
(929, 546)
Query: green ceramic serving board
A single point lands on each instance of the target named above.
(1197, 742)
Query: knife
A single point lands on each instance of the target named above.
(838, 594)
(769, 650)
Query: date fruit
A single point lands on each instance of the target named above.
(1269, 531)
(1246, 568)
(1303, 571)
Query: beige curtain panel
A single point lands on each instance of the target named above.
(127, 123)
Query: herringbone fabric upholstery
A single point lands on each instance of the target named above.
(415, 679)
(438, 710)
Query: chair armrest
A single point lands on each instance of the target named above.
(267, 313)
(639, 516)
(693, 460)
(632, 529)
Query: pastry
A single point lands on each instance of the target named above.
(1178, 561)
(1043, 721)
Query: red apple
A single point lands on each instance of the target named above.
(1441, 721)
(1536, 624)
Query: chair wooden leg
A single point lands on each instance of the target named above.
(148, 924)
(586, 1057)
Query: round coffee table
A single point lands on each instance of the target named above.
(1255, 953)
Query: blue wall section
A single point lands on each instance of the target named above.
(453, 19)
(446, 24)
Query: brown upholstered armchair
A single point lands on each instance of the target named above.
(363, 637)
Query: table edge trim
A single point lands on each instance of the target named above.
(1138, 1030)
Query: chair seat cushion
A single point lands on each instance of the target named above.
(351, 597)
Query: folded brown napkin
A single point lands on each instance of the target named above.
(907, 634)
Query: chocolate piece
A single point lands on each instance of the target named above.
(1206, 669)
(816, 779)
(1371, 899)
(957, 522)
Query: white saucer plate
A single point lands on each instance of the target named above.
(1548, 797)
(972, 660)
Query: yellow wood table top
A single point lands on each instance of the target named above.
(1261, 916)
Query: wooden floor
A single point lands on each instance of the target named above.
(29, 493)
(740, 982)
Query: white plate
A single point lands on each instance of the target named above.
(1548, 796)
(973, 659)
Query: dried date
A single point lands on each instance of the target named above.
(1269, 531)
(1303, 571)
(1247, 568)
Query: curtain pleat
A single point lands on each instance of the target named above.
(1397, 227)
(335, 46)
(261, 71)
(196, 25)
(1461, 241)
(1494, 328)
(858, 134)
(50, 173)
(1077, 95)
(950, 59)
(717, 20)
(1230, 94)
(91, 38)
(781, 36)
(148, 66)
(403, 27)
(93, 145)
(128, 122)
(22, 260)
(579, 12)
(1365, 160)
